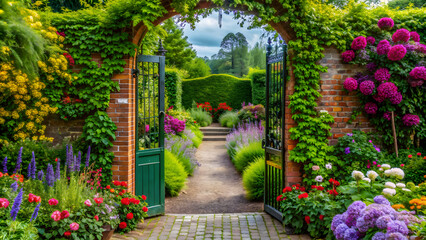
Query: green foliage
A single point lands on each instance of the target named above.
(247, 155)
(254, 179)
(414, 164)
(201, 117)
(198, 135)
(24, 43)
(173, 86)
(404, 4)
(17, 230)
(258, 86)
(197, 68)
(43, 151)
(98, 133)
(229, 119)
(257, 56)
(215, 89)
(175, 175)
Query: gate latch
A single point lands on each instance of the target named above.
(135, 72)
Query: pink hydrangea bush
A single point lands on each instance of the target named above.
(385, 23)
(350, 84)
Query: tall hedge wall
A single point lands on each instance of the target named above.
(258, 86)
(216, 88)
(173, 86)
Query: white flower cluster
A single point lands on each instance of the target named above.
(328, 166)
(400, 185)
(372, 175)
(366, 179)
(389, 191)
(386, 166)
(357, 175)
(395, 172)
(390, 185)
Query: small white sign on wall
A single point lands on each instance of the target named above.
(122, 100)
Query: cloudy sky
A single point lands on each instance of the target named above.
(207, 36)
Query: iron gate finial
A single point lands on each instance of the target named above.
(161, 51)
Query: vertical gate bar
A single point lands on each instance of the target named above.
(266, 184)
(160, 99)
(284, 149)
(136, 79)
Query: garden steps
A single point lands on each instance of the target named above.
(215, 133)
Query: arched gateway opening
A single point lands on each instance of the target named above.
(131, 160)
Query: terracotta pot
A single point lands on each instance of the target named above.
(107, 233)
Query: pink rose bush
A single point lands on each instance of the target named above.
(394, 65)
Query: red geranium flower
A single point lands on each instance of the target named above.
(307, 219)
(419, 154)
(125, 201)
(302, 189)
(144, 197)
(287, 189)
(67, 233)
(280, 198)
(410, 156)
(99, 200)
(123, 225)
(303, 195)
(129, 216)
(145, 209)
(124, 184)
(321, 217)
(65, 214)
(320, 188)
(97, 218)
(108, 187)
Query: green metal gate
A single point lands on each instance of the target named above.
(275, 127)
(149, 164)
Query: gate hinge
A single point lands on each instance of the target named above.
(135, 72)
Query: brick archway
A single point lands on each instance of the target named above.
(122, 105)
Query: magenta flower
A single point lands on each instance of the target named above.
(387, 115)
(421, 48)
(53, 202)
(146, 128)
(348, 56)
(401, 35)
(382, 75)
(74, 226)
(371, 40)
(397, 52)
(418, 73)
(396, 98)
(350, 84)
(415, 36)
(370, 108)
(383, 47)
(378, 98)
(385, 23)
(359, 43)
(56, 216)
(367, 87)
(410, 120)
(386, 90)
(88, 203)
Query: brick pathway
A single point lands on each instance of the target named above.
(210, 226)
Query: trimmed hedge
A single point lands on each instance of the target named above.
(247, 155)
(253, 179)
(175, 175)
(173, 87)
(258, 86)
(215, 89)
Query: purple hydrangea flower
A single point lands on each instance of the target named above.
(363, 55)
(379, 236)
(351, 234)
(371, 40)
(418, 73)
(382, 75)
(367, 87)
(356, 207)
(370, 108)
(337, 220)
(397, 226)
(383, 47)
(348, 56)
(35, 213)
(5, 165)
(410, 120)
(385, 23)
(386, 90)
(421, 48)
(350, 84)
(415, 36)
(18, 161)
(401, 35)
(395, 236)
(382, 222)
(396, 98)
(359, 43)
(409, 47)
(347, 150)
(397, 52)
(380, 199)
(362, 225)
(16, 205)
(339, 233)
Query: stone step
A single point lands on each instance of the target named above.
(215, 133)
(214, 138)
(215, 129)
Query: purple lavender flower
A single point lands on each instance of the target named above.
(339, 233)
(18, 161)
(40, 175)
(351, 234)
(50, 175)
(58, 170)
(382, 222)
(347, 150)
(380, 199)
(363, 55)
(395, 236)
(14, 186)
(78, 162)
(379, 236)
(35, 213)
(5, 165)
(16, 205)
(397, 226)
(32, 168)
(88, 157)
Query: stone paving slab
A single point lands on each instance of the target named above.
(209, 227)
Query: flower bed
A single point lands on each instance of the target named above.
(65, 201)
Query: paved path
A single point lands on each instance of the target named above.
(210, 226)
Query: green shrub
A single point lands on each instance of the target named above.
(17, 230)
(173, 87)
(253, 179)
(414, 165)
(201, 117)
(229, 119)
(198, 135)
(258, 86)
(248, 154)
(215, 89)
(175, 175)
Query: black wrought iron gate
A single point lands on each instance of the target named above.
(149, 162)
(275, 127)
